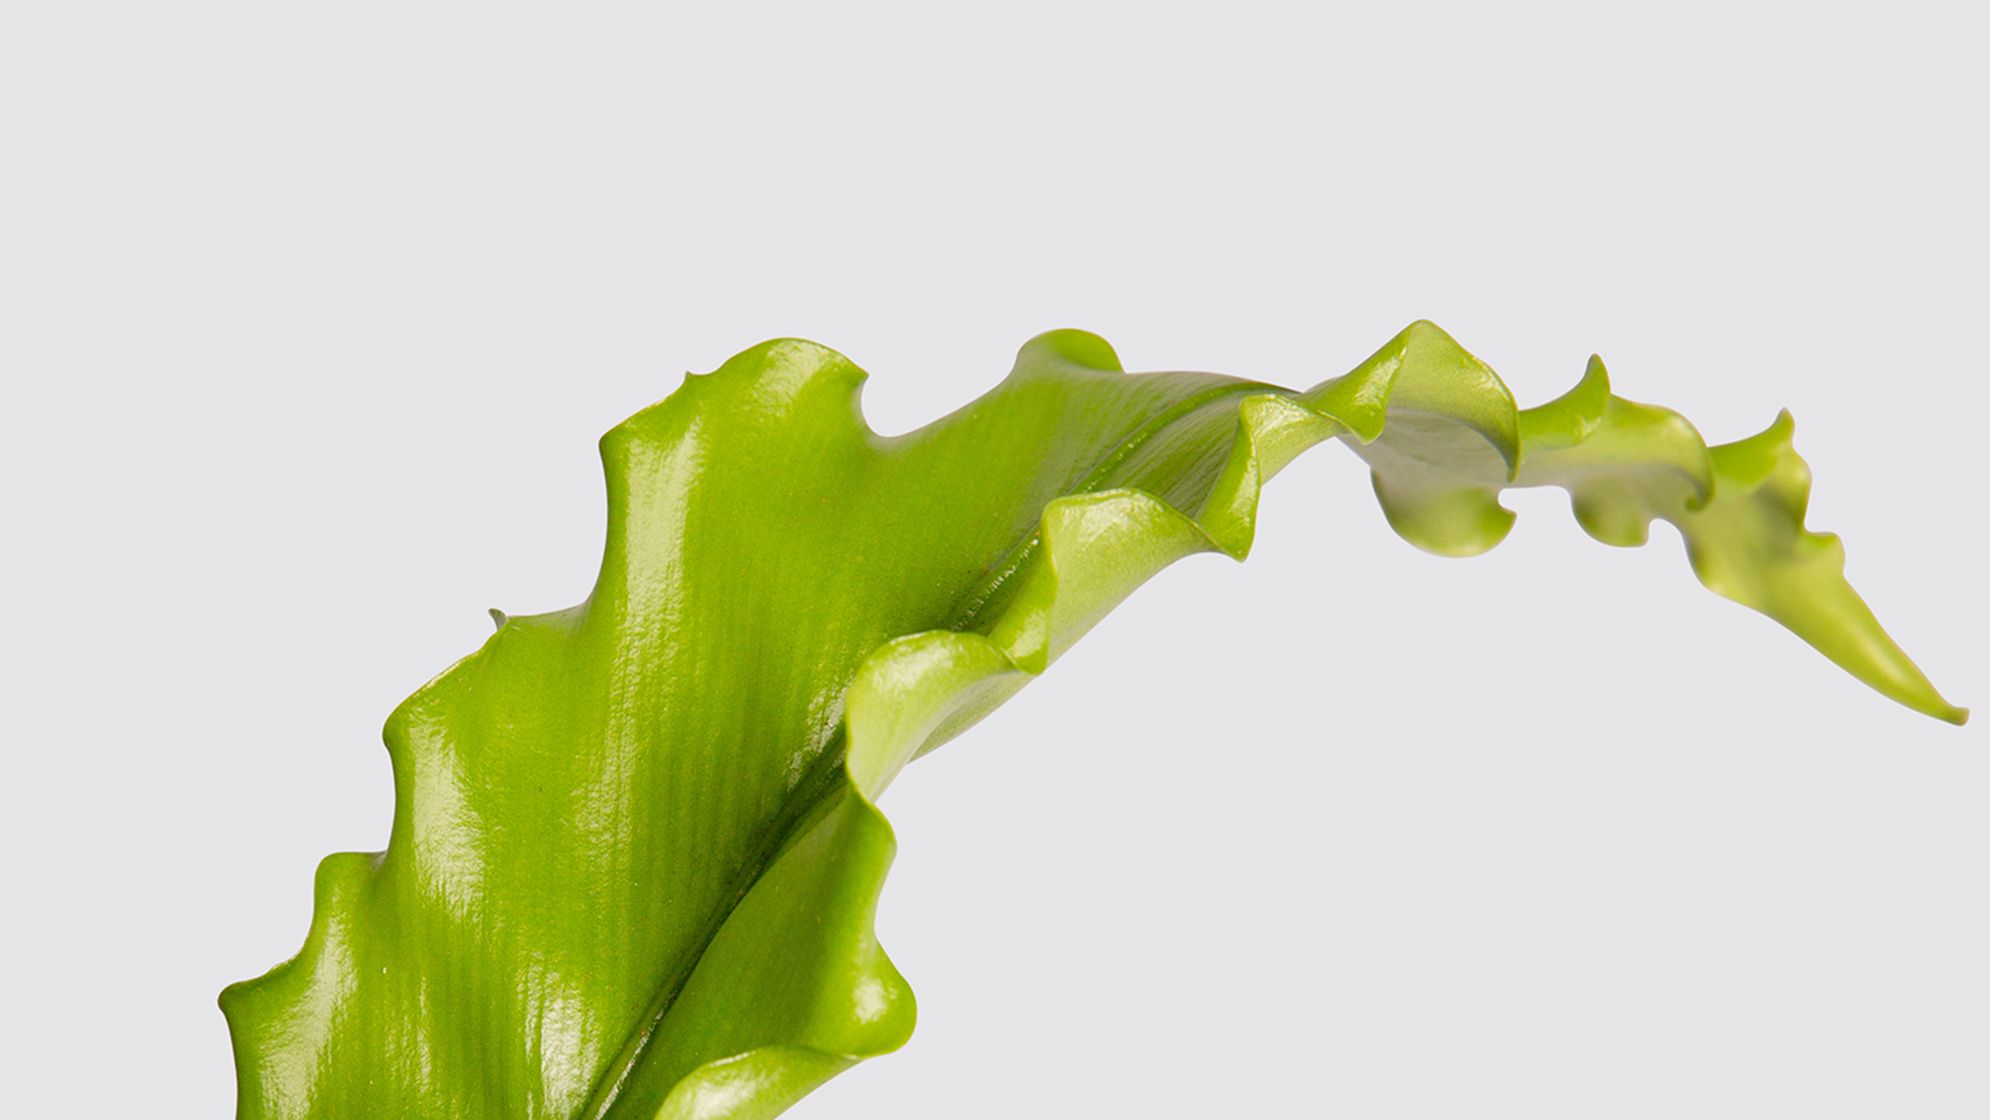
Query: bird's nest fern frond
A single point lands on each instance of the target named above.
(635, 852)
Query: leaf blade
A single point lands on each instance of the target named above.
(635, 852)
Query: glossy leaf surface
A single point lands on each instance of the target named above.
(634, 857)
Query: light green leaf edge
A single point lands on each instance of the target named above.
(1443, 438)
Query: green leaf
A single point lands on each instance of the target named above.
(635, 854)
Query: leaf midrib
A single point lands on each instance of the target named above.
(972, 605)
(824, 774)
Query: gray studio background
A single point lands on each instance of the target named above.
(309, 320)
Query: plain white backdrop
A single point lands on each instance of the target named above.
(309, 320)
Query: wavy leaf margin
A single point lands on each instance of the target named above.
(1443, 439)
